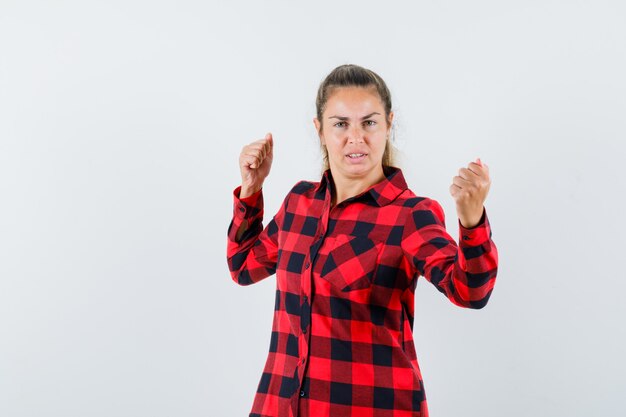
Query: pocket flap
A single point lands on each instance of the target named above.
(351, 262)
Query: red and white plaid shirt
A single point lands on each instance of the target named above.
(342, 336)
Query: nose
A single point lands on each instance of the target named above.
(355, 134)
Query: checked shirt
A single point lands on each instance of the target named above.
(342, 334)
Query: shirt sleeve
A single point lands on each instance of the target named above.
(254, 255)
(465, 272)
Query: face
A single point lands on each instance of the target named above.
(354, 131)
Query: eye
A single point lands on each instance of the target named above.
(370, 121)
(339, 123)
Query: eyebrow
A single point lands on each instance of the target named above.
(346, 118)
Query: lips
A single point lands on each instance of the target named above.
(355, 157)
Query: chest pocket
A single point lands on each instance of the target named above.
(350, 261)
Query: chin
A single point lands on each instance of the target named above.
(358, 169)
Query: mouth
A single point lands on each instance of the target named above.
(356, 158)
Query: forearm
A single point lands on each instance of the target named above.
(476, 264)
(464, 272)
(242, 228)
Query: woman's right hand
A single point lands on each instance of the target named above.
(255, 162)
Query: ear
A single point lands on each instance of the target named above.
(317, 124)
(389, 124)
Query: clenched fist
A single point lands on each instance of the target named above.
(469, 190)
(255, 162)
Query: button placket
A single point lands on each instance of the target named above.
(307, 279)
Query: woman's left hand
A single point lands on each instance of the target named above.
(469, 190)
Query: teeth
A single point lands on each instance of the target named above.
(355, 155)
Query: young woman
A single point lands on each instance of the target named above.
(347, 252)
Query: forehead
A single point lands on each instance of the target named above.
(353, 100)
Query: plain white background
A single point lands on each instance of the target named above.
(120, 130)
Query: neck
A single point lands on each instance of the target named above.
(346, 187)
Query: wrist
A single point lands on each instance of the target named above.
(470, 220)
(248, 191)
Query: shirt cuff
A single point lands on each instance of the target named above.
(249, 206)
(477, 235)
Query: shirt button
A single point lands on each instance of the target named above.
(304, 331)
(302, 393)
(242, 209)
(307, 265)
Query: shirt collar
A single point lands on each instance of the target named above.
(382, 193)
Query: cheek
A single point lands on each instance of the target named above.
(337, 151)
(380, 149)
(334, 142)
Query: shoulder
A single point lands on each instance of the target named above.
(303, 186)
(412, 201)
(301, 189)
(422, 210)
